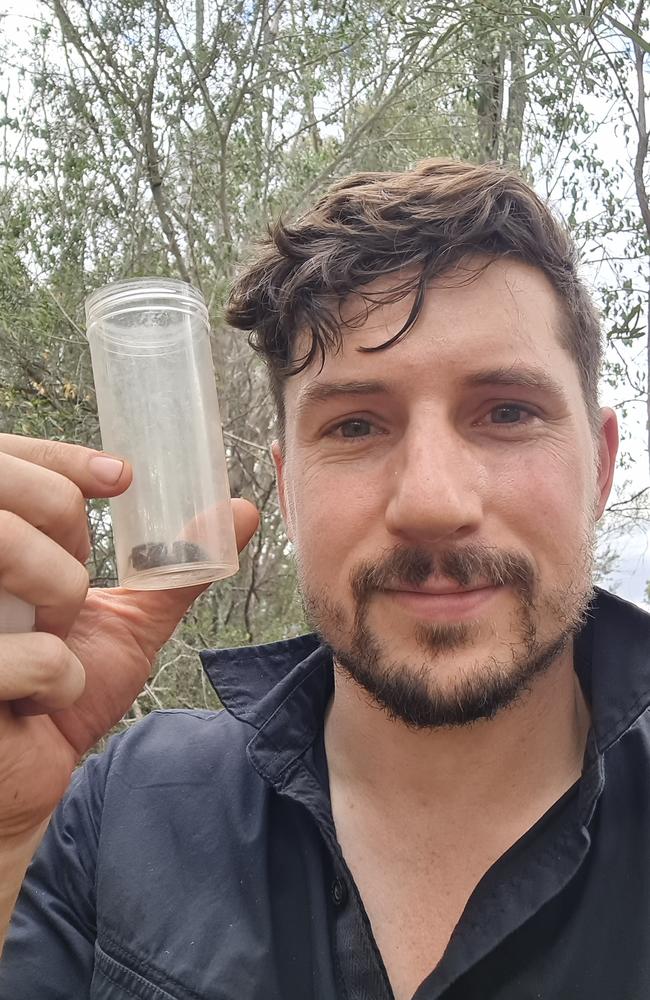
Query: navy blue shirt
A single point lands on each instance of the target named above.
(197, 858)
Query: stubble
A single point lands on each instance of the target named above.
(543, 624)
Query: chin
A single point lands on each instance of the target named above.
(457, 684)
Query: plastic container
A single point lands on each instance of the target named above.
(157, 406)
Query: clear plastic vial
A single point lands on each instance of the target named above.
(157, 406)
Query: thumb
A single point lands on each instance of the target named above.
(156, 613)
(247, 519)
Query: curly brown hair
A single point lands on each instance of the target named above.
(414, 225)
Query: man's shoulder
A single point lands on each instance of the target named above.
(170, 773)
(176, 745)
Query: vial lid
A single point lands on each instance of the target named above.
(120, 298)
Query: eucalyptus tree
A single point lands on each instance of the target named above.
(160, 137)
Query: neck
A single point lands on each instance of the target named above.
(527, 755)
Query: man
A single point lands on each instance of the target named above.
(443, 793)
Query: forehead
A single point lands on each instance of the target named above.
(506, 314)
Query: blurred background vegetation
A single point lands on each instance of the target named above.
(160, 137)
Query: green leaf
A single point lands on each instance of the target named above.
(625, 30)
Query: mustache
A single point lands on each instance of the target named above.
(466, 565)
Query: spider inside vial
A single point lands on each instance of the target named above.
(151, 555)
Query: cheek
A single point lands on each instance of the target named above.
(550, 509)
(333, 521)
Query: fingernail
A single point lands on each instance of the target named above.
(108, 470)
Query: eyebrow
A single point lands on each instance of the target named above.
(525, 376)
(320, 392)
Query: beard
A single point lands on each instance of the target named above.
(542, 628)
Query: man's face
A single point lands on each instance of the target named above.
(441, 495)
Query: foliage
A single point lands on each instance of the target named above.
(160, 137)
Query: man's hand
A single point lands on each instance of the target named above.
(68, 682)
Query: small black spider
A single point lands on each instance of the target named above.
(151, 555)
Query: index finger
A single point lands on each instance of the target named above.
(94, 472)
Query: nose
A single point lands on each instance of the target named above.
(437, 485)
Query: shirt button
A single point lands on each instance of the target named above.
(339, 892)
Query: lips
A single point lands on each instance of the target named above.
(440, 588)
(442, 601)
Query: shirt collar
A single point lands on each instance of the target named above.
(613, 664)
(282, 689)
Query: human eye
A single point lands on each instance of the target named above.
(506, 418)
(353, 427)
(510, 413)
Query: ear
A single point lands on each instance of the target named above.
(285, 506)
(607, 450)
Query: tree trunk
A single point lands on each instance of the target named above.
(639, 182)
(490, 100)
(199, 14)
(517, 98)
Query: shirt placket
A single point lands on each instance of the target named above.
(360, 968)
